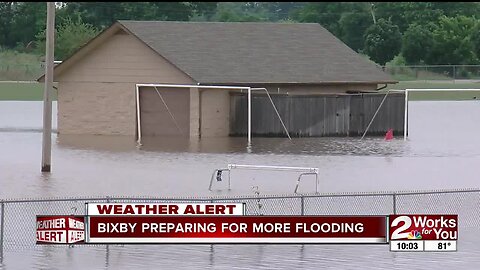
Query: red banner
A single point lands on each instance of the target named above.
(236, 229)
(60, 229)
(160, 209)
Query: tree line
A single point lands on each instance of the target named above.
(399, 32)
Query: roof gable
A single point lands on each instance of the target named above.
(92, 45)
(224, 53)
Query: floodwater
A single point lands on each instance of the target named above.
(442, 152)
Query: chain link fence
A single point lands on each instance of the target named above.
(18, 217)
(434, 72)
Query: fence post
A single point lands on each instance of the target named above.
(107, 256)
(107, 247)
(2, 227)
(302, 203)
(394, 203)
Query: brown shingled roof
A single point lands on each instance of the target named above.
(221, 53)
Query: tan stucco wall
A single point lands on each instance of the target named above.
(215, 112)
(96, 108)
(97, 95)
(194, 113)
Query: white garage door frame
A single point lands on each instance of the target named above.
(153, 85)
(249, 90)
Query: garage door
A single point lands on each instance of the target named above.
(166, 113)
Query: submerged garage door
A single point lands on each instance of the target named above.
(155, 118)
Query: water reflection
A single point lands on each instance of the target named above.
(97, 143)
(296, 146)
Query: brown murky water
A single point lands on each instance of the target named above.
(442, 152)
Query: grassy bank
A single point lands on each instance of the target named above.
(34, 91)
(434, 84)
(18, 66)
(22, 91)
(439, 95)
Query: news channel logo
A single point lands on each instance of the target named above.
(423, 227)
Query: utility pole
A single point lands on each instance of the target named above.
(372, 6)
(47, 97)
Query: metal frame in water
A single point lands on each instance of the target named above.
(217, 173)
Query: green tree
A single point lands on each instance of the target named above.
(382, 41)
(205, 9)
(69, 36)
(417, 43)
(240, 12)
(250, 11)
(353, 27)
(280, 11)
(327, 14)
(29, 18)
(103, 14)
(475, 38)
(6, 15)
(403, 14)
(452, 43)
(453, 9)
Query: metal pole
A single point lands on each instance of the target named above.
(169, 112)
(139, 130)
(107, 247)
(2, 227)
(407, 112)
(374, 115)
(302, 202)
(273, 168)
(249, 116)
(47, 100)
(107, 256)
(278, 114)
(373, 13)
(276, 111)
(229, 181)
(394, 203)
(405, 121)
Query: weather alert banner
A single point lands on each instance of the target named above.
(60, 229)
(423, 232)
(212, 223)
(161, 209)
(207, 223)
(237, 229)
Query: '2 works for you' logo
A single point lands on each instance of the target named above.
(423, 227)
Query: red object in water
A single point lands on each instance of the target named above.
(389, 135)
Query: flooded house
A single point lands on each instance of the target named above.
(319, 86)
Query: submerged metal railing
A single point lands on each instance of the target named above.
(217, 173)
(17, 217)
